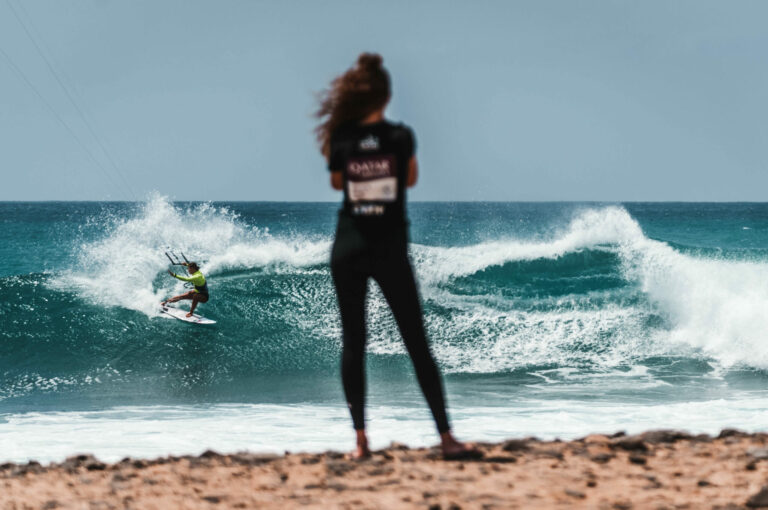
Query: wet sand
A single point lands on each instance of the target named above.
(654, 470)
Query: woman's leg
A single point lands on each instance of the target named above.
(399, 288)
(395, 277)
(351, 288)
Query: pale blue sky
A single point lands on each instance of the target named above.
(510, 100)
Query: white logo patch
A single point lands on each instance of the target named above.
(369, 143)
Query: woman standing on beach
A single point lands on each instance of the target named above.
(372, 160)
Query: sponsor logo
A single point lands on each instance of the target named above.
(370, 168)
(372, 179)
(375, 190)
(368, 210)
(369, 143)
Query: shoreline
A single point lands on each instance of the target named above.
(661, 469)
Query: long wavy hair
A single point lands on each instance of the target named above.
(354, 95)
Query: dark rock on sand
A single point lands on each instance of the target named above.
(554, 454)
(95, 465)
(631, 444)
(665, 436)
(575, 494)
(500, 460)
(760, 499)
(339, 467)
(515, 445)
(32, 467)
(255, 459)
(731, 433)
(210, 454)
(77, 461)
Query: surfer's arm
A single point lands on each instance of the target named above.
(182, 278)
(196, 279)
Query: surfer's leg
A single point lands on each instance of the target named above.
(187, 295)
(197, 298)
(351, 289)
(395, 277)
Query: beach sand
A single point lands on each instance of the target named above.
(655, 470)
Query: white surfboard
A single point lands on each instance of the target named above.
(180, 314)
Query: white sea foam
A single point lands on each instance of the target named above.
(487, 334)
(591, 228)
(122, 268)
(714, 306)
(162, 430)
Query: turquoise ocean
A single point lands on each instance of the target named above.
(547, 319)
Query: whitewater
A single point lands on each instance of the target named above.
(555, 320)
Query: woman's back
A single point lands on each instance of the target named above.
(374, 160)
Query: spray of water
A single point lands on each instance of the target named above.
(715, 307)
(126, 267)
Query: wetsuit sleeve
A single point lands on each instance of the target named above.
(196, 279)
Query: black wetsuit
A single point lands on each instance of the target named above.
(372, 242)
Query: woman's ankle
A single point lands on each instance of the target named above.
(447, 437)
(362, 450)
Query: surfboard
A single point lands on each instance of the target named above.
(180, 314)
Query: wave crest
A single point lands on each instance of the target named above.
(659, 301)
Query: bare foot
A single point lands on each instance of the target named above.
(189, 314)
(453, 449)
(362, 451)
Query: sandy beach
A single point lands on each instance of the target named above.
(658, 469)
